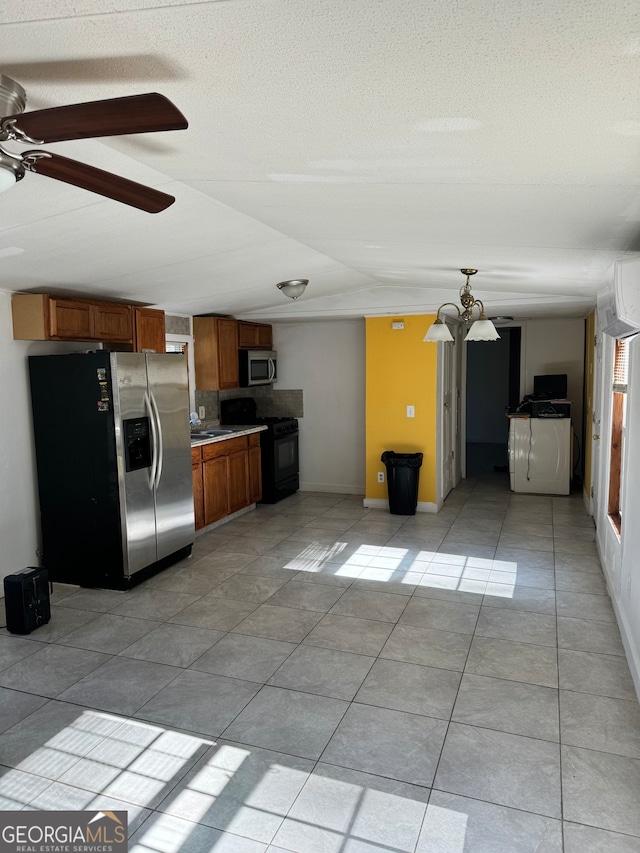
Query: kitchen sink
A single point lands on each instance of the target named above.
(210, 433)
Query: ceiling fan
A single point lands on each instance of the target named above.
(112, 117)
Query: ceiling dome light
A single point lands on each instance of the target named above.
(293, 288)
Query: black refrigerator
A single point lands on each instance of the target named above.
(114, 465)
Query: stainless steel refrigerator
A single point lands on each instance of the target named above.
(114, 465)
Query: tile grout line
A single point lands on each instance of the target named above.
(560, 765)
(446, 734)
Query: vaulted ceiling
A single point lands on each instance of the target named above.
(374, 147)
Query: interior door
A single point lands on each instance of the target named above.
(448, 419)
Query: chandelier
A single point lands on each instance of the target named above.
(293, 288)
(482, 329)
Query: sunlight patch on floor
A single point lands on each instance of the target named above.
(416, 567)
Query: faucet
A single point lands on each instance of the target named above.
(194, 420)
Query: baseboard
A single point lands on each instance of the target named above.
(383, 503)
(222, 521)
(631, 650)
(339, 489)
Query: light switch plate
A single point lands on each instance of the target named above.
(202, 412)
(411, 411)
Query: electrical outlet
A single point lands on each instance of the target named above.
(202, 412)
(381, 476)
(411, 411)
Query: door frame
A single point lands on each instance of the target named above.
(442, 380)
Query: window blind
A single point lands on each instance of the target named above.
(620, 367)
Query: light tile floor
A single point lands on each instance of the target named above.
(323, 678)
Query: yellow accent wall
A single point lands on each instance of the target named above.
(401, 371)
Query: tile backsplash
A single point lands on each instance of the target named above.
(177, 325)
(270, 402)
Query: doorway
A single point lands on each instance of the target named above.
(492, 388)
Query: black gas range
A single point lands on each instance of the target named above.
(278, 446)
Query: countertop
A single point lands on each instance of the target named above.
(237, 430)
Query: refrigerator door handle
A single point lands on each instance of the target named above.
(160, 443)
(154, 439)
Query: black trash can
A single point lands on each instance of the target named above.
(403, 471)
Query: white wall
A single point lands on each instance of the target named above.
(556, 346)
(327, 361)
(19, 523)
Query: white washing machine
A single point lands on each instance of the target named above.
(540, 455)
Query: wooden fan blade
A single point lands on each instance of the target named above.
(100, 182)
(113, 117)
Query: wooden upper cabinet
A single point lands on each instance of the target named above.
(254, 336)
(69, 319)
(228, 353)
(112, 322)
(215, 353)
(149, 326)
(40, 317)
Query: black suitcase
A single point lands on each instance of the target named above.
(26, 600)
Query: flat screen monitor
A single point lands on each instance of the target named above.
(553, 386)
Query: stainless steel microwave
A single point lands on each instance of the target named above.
(257, 367)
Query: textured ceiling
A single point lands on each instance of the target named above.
(373, 147)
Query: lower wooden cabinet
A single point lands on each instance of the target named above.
(255, 468)
(226, 477)
(215, 489)
(198, 493)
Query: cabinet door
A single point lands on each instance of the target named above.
(265, 337)
(254, 336)
(215, 489)
(70, 319)
(247, 336)
(238, 474)
(228, 376)
(112, 322)
(150, 330)
(198, 494)
(255, 475)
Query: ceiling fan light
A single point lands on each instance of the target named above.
(293, 288)
(439, 331)
(482, 330)
(11, 170)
